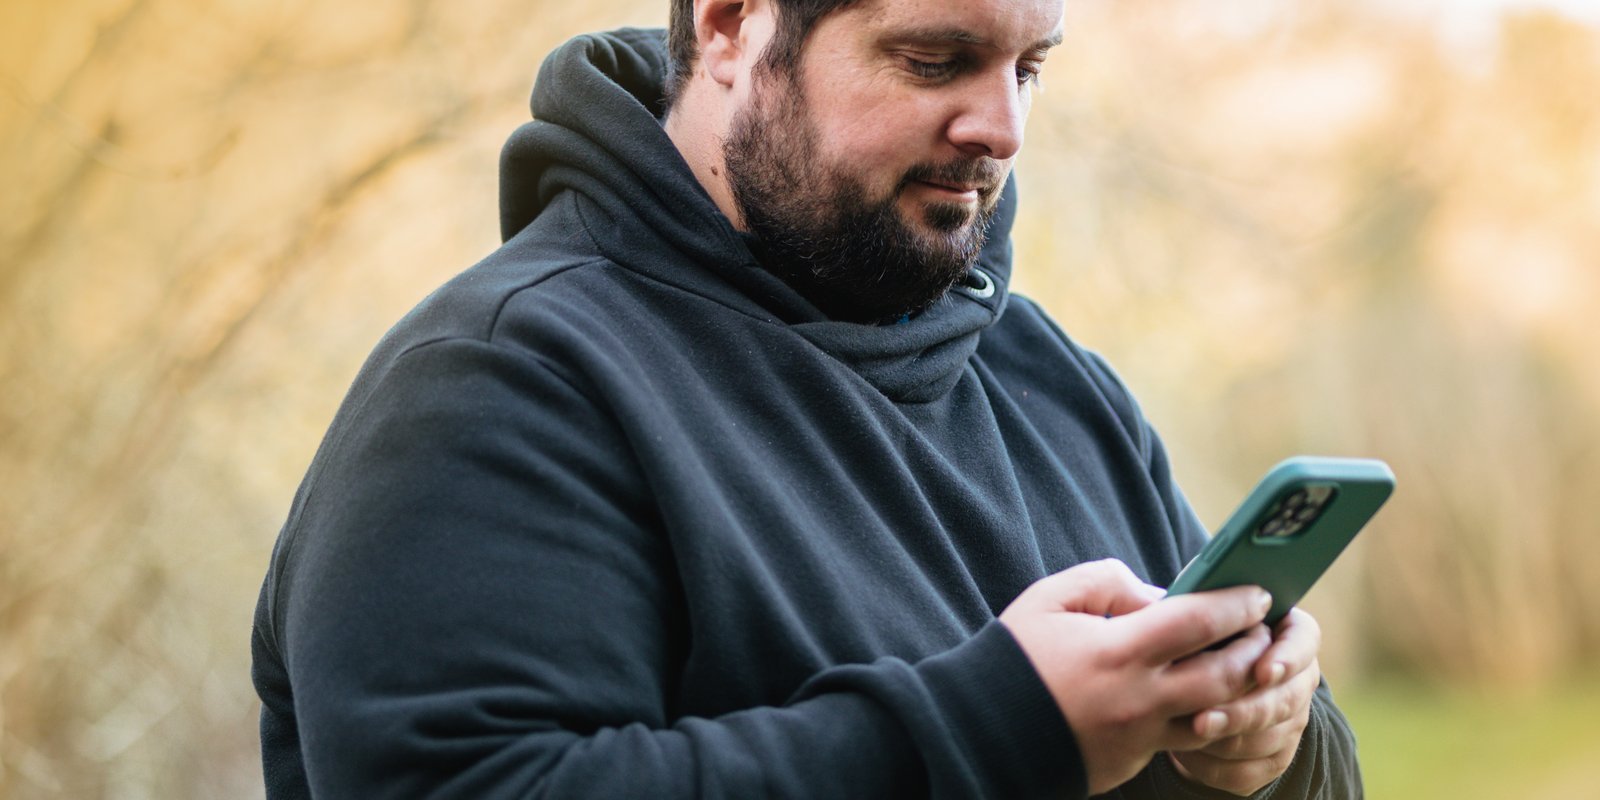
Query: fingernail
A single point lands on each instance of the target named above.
(1264, 603)
(1213, 723)
(1276, 673)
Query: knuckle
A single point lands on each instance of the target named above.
(1125, 714)
(1262, 636)
(1115, 565)
(1235, 681)
(1252, 717)
(1288, 707)
(1105, 566)
(1222, 619)
(1113, 572)
(1091, 573)
(1208, 619)
(1230, 748)
(1232, 676)
(1242, 675)
(1219, 673)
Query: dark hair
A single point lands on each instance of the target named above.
(796, 18)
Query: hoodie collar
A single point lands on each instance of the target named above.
(597, 131)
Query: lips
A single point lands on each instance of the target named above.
(965, 193)
(959, 188)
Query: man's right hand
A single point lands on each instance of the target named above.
(1130, 673)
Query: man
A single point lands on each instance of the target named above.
(737, 472)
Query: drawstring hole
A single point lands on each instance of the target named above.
(978, 283)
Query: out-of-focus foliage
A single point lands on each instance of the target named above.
(211, 212)
(1307, 228)
(1297, 226)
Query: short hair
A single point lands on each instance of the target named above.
(796, 19)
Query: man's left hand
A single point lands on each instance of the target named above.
(1261, 730)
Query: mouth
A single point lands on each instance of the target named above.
(960, 192)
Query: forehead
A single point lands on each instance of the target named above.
(1010, 25)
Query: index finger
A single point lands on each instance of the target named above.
(1170, 629)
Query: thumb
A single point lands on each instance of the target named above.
(1105, 588)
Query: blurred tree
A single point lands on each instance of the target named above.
(1295, 226)
(1312, 231)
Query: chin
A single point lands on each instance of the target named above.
(948, 219)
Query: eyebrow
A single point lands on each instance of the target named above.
(963, 36)
(1050, 41)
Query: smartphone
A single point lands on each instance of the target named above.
(1290, 528)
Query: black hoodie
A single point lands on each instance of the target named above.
(616, 513)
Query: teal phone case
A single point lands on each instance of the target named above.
(1243, 553)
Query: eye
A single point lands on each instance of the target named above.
(1028, 72)
(931, 69)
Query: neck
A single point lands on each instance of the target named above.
(697, 124)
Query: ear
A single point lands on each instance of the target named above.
(720, 32)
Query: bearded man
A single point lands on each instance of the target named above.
(738, 471)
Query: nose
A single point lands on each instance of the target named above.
(990, 119)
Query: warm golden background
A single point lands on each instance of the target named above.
(1296, 226)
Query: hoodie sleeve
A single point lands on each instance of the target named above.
(1325, 766)
(475, 600)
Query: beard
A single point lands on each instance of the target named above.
(854, 256)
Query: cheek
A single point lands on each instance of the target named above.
(878, 131)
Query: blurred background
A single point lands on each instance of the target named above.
(1321, 226)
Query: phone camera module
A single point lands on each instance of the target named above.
(1319, 495)
(1295, 512)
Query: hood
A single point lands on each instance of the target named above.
(597, 107)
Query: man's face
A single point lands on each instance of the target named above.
(871, 171)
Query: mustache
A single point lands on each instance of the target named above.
(984, 173)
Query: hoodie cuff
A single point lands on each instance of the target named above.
(1004, 717)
